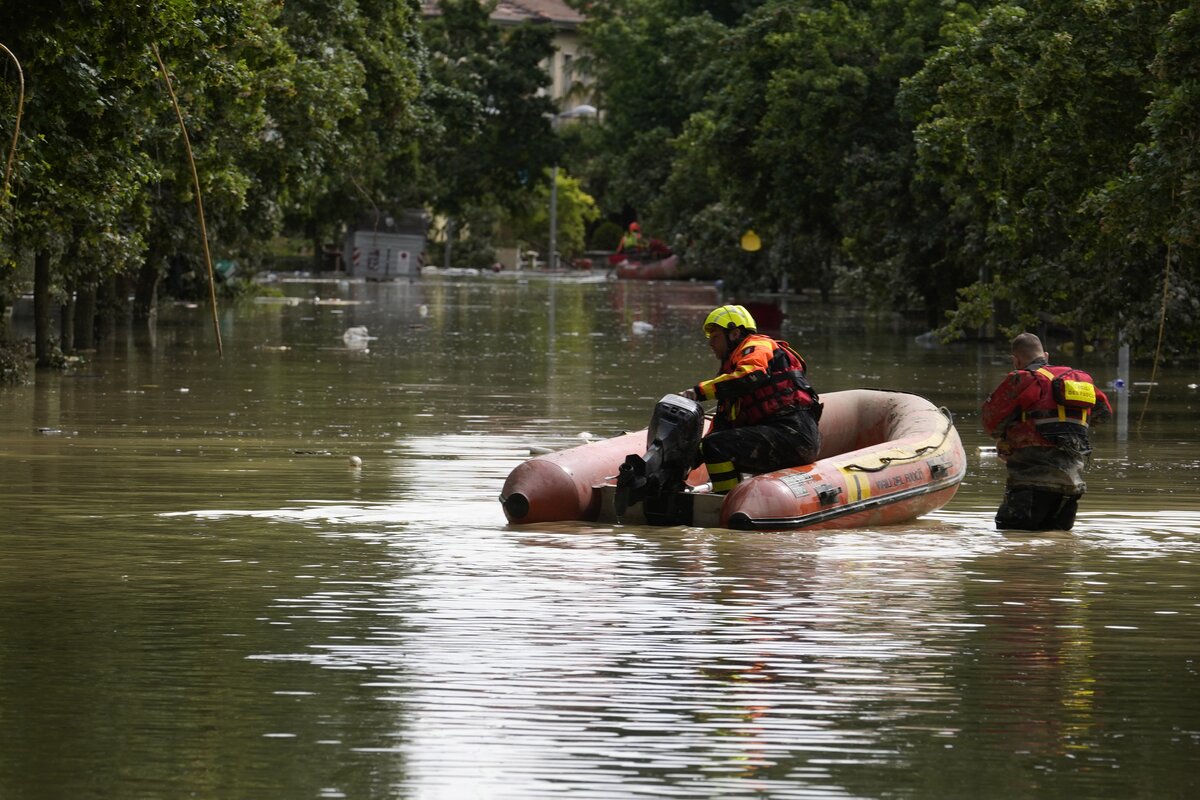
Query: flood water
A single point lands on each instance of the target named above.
(201, 596)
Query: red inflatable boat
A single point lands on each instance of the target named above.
(886, 457)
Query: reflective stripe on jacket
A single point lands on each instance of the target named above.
(760, 379)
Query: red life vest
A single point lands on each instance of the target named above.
(786, 388)
(1057, 395)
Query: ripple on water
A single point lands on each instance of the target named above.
(614, 661)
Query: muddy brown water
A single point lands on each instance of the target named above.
(201, 596)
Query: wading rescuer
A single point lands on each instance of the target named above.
(1039, 416)
(767, 412)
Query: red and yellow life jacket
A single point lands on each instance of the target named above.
(1056, 396)
(761, 379)
(1071, 398)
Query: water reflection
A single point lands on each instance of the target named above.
(200, 594)
(789, 664)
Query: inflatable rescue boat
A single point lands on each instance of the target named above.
(886, 457)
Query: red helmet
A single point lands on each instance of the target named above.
(633, 226)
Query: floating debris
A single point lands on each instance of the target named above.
(356, 338)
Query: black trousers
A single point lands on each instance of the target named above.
(787, 441)
(1037, 510)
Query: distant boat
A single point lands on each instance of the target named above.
(646, 267)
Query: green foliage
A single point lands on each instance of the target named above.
(477, 247)
(709, 244)
(81, 172)
(606, 236)
(1150, 215)
(306, 111)
(1039, 109)
(15, 358)
(493, 138)
(576, 209)
(223, 72)
(654, 64)
(349, 115)
(1014, 163)
(799, 131)
(494, 133)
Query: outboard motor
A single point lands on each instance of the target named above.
(672, 443)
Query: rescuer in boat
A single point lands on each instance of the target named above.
(767, 411)
(1039, 416)
(632, 243)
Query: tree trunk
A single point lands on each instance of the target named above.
(825, 280)
(109, 304)
(85, 316)
(66, 326)
(449, 242)
(145, 293)
(43, 345)
(312, 232)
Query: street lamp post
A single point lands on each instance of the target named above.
(578, 111)
(552, 257)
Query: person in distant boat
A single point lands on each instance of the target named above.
(767, 411)
(632, 242)
(1039, 417)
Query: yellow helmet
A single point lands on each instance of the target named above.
(727, 317)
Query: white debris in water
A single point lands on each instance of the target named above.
(640, 327)
(985, 450)
(357, 337)
(355, 461)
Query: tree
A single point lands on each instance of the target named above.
(1151, 215)
(78, 184)
(493, 138)
(312, 115)
(576, 209)
(223, 67)
(1038, 108)
(653, 64)
(352, 122)
(802, 140)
